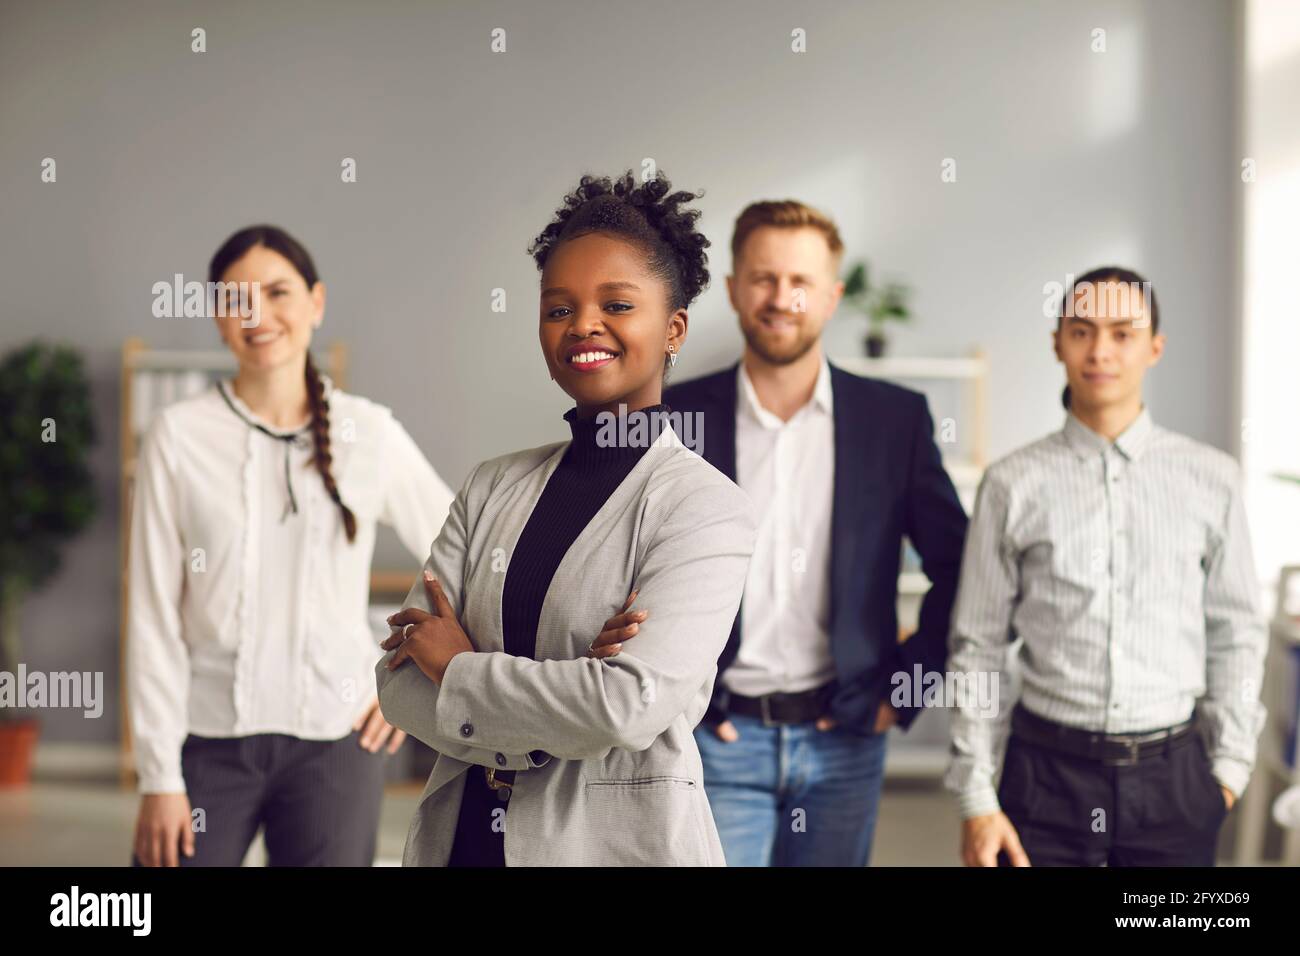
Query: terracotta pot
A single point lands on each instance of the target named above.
(17, 745)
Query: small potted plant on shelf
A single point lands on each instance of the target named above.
(887, 303)
(47, 496)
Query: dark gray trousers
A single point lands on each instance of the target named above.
(318, 800)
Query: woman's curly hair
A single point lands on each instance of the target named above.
(648, 214)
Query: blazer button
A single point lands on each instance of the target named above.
(501, 759)
(466, 729)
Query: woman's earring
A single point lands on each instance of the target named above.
(672, 357)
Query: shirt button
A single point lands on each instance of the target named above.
(501, 759)
(466, 729)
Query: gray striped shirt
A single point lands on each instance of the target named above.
(1126, 569)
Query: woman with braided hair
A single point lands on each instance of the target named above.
(552, 749)
(250, 656)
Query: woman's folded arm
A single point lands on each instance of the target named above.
(407, 698)
(691, 581)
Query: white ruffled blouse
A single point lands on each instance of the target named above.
(247, 617)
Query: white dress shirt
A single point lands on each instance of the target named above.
(246, 618)
(788, 470)
(1126, 568)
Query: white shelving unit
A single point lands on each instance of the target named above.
(915, 371)
(899, 367)
(1277, 760)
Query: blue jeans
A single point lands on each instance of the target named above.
(793, 795)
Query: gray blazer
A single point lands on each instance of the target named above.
(609, 771)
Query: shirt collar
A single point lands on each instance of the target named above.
(822, 396)
(1130, 443)
(228, 386)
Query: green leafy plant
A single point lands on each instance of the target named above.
(47, 493)
(880, 304)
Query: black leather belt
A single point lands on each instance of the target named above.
(1111, 750)
(774, 709)
(504, 779)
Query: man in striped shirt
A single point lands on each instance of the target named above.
(1118, 554)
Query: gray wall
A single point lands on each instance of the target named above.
(1065, 158)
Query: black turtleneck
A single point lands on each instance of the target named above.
(580, 485)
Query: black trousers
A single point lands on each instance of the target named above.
(480, 838)
(1164, 810)
(318, 800)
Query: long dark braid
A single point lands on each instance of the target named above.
(277, 240)
(320, 433)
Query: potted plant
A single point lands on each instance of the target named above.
(879, 304)
(47, 496)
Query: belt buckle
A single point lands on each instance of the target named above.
(1130, 758)
(492, 780)
(765, 710)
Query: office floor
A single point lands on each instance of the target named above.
(77, 823)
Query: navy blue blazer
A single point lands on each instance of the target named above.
(889, 482)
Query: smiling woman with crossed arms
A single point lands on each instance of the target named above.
(592, 749)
